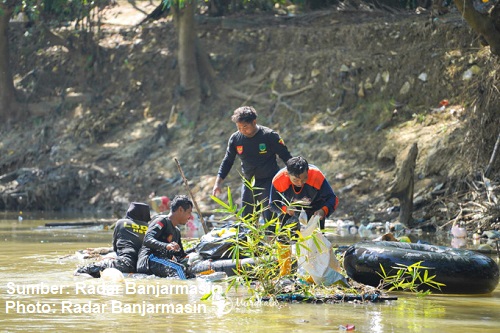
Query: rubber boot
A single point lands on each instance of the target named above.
(284, 259)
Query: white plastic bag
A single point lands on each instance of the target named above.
(317, 257)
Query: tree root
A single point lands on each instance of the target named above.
(288, 94)
(261, 98)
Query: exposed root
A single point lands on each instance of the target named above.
(288, 94)
(261, 98)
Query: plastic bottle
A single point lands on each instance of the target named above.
(303, 217)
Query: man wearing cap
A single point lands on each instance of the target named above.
(127, 240)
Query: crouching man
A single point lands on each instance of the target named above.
(162, 253)
(127, 241)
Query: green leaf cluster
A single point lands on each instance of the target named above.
(265, 243)
(413, 278)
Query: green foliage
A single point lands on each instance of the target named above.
(189, 243)
(175, 3)
(58, 7)
(268, 279)
(262, 279)
(420, 117)
(414, 278)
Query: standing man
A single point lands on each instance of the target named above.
(257, 147)
(305, 183)
(127, 241)
(162, 252)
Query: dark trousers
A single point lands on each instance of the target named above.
(122, 264)
(166, 268)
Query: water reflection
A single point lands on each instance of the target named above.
(34, 255)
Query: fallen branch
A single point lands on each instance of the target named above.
(459, 215)
(205, 228)
(493, 157)
(478, 205)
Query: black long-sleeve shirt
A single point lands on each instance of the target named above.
(160, 232)
(127, 239)
(129, 234)
(257, 154)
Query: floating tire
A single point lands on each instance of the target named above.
(462, 271)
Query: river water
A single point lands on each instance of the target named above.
(40, 293)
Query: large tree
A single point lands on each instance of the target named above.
(8, 105)
(190, 92)
(196, 72)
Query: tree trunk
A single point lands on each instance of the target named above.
(190, 99)
(484, 24)
(7, 90)
(208, 82)
(402, 187)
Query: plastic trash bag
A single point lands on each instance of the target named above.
(317, 257)
(217, 243)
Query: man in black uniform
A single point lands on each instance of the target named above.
(127, 241)
(257, 147)
(162, 252)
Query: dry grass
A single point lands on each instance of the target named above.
(483, 125)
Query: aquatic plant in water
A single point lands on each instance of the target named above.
(275, 276)
(413, 278)
(267, 242)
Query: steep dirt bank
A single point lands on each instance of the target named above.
(349, 90)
